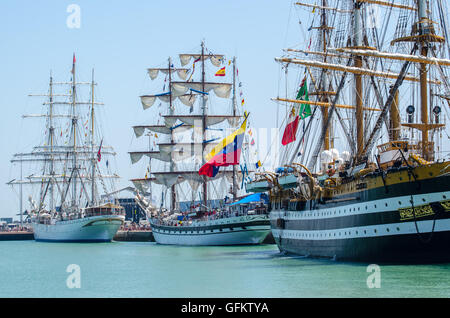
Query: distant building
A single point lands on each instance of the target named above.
(7, 220)
(133, 212)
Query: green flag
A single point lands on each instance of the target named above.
(305, 109)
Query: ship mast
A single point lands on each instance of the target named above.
(204, 112)
(357, 43)
(172, 164)
(93, 201)
(324, 85)
(74, 135)
(421, 24)
(234, 188)
(52, 131)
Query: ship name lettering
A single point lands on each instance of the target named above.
(246, 307)
(418, 211)
(446, 205)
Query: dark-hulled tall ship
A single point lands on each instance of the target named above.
(365, 171)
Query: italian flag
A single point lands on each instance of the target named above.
(291, 128)
(305, 111)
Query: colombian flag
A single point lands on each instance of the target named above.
(226, 153)
(221, 72)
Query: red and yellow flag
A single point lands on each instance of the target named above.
(221, 72)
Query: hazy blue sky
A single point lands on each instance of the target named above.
(120, 39)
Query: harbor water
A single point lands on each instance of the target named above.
(143, 269)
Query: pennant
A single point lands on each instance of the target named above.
(258, 164)
(99, 153)
(220, 72)
(242, 102)
(73, 64)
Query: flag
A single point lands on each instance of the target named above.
(242, 102)
(305, 109)
(291, 128)
(220, 72)
(258, 164)
(99, 153)
(73, 64)
(226, 153)
(252, 142)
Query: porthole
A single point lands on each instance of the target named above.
(399, 202)
(444, 196)
(375, 230)
(385, 204)
(387, 230)
(398, 229)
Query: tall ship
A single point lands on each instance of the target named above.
(198, 171)
(364, 170)
(63, 176)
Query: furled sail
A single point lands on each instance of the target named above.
(147, 101)
(181, 72)
(215, 59)
(191, 120)
(136, 156)
(222, 90)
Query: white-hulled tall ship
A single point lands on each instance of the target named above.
(374, 80)
(217, 214)
(66, 206)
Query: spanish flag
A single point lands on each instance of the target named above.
(221, 72)
(226, 153)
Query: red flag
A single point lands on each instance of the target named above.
(73, 65)
(291, 128)
(99, 153)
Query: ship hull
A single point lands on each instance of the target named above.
(374, 225)
(89, 229)
(245, 230)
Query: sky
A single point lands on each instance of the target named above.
(120, 39)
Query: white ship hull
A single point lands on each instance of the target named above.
(242, 230)
(90, 229)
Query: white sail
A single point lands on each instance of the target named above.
(147, 101)
(215, 59)
(222, 90)
(191, 120)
